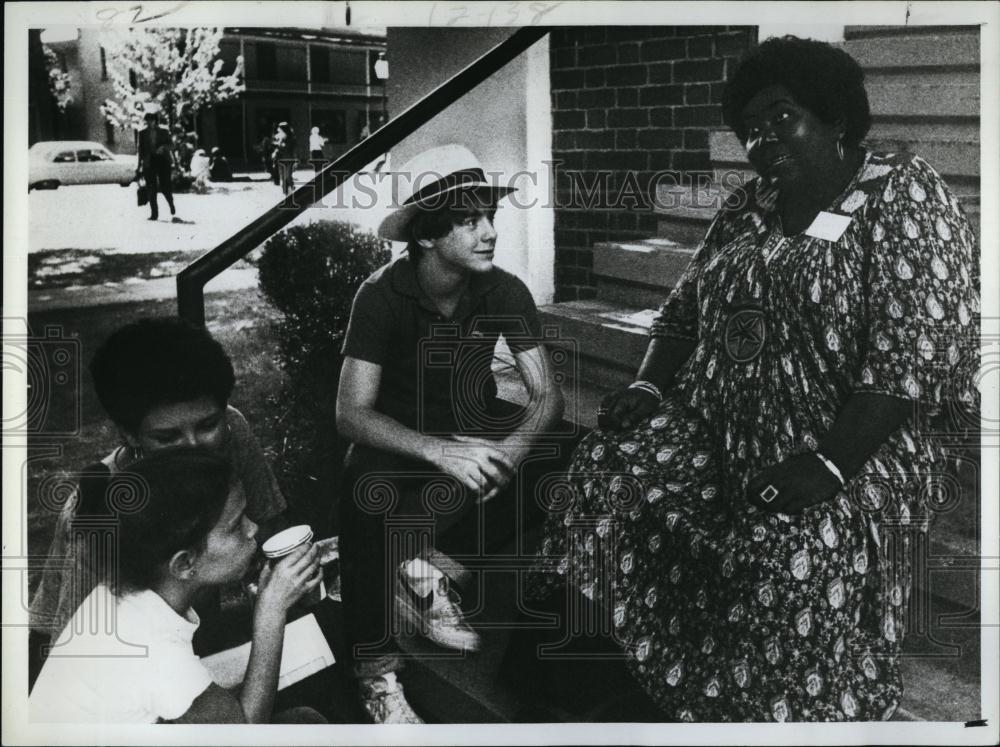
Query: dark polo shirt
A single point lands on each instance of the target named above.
(437, 372)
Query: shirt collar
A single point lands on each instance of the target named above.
(403, 277)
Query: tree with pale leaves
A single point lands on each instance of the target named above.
(59, 81)
(179, 69)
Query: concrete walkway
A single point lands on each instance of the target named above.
(106, 218)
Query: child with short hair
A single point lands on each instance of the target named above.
(126, 655)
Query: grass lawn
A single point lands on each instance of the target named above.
(242, 321)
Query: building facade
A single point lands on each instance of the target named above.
(308, 78)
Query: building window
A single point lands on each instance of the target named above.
(267, 61)
(348, 67)
(319, 65)
(109, 134)
(104, 64)
(332, 124)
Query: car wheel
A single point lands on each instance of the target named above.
(47, 184)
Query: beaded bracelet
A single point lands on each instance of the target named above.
(834, 470)
(649, 387)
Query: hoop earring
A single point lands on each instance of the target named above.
(840, 150)
(137, 453)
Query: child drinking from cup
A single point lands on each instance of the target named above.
(125, 657)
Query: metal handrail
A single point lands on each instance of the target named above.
(192, 279)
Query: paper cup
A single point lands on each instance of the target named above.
(287, 541)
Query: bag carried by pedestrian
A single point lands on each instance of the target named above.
(141, 193)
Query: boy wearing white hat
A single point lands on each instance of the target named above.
(418, 400)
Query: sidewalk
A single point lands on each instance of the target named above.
(106, 217)
(78, 226)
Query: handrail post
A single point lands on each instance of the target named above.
(192, 279)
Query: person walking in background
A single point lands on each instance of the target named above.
(154, 148)
(284, 155)
(316, 143)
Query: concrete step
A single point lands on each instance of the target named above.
(915, 51)
(942, 687)
(905, 77)
(867, 32)
(631, 295)
(639, 274)
(725, 148)
(692, 203)
(656, 262)
(685, 212)
(926, 132)
(609, 339)
(922, 100)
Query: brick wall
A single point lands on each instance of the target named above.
(628, 102)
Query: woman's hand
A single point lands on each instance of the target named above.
(290, 578)
(478, 463)
(624, 409)
(800, 481)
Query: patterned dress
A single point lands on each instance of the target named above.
(727, 613)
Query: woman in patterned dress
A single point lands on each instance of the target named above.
(745, 512)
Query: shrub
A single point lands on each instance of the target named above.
(311, 274)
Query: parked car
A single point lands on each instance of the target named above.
(54, 163)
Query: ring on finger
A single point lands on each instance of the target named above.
(768, 494)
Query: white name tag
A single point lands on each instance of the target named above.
(828, 226)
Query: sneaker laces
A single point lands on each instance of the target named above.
(383, 698)
(446, 605)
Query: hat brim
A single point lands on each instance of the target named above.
(393, 226)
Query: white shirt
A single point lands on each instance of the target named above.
(120, 660)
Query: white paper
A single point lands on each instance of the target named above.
(305, 652)
(828, 226)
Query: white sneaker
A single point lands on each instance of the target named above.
(383, 700)
(435, 615)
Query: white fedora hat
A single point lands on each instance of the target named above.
(150, 108)
(432, 179)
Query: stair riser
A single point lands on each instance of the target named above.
(929, 100)
(680, 230)
(631, 296)
(915, 52)
(661, 268)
